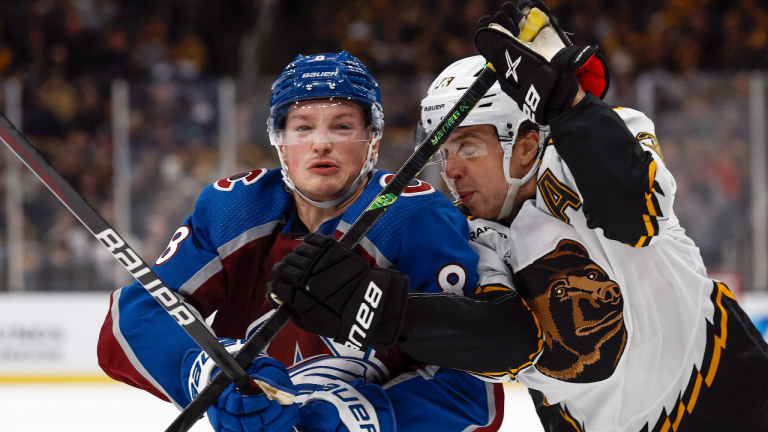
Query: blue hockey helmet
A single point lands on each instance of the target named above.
(326, 76)
(323, 76)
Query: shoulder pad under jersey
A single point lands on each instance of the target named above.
(242, 202)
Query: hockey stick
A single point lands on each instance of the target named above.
(93, 221)
(351, 238)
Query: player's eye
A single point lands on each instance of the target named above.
(470, 150)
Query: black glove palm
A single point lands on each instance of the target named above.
(336, 294)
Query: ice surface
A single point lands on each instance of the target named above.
(121, 408)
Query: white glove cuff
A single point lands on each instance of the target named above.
(355, 411)
(203, 367)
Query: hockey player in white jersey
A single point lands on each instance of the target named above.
(635, 336)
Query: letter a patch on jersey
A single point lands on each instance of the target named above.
(557, 196)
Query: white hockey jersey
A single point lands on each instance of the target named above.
(635, 335)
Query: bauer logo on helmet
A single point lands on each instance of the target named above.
(434, 107)
(320, 74)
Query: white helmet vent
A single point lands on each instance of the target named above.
(496, 108)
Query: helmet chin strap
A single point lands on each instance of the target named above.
(367, 167)
(509, 200)
(515, 183)
(323, 204)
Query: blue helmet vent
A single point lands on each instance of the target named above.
(323, 76)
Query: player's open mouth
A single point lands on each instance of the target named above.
(466, 196)
(609, 319)
(323, 167)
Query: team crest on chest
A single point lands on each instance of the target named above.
(580, 309)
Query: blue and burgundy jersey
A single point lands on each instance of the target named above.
(220, 259)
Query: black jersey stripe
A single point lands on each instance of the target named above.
(717, 334)
(654, 210)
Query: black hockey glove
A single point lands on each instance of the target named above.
(535, 62)
(336, 294)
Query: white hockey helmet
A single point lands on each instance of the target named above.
(495, 108)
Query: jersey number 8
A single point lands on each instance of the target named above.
(179, 236)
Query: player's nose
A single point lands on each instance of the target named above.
(321, 141)
(454, 167)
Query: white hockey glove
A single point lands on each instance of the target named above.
(537, 66)
(347, 407)
(273, 411)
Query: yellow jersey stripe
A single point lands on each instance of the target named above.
(718, 346)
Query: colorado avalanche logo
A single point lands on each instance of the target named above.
(248, 177)
(417, 188)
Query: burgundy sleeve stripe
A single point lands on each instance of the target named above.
(495, 408)
(114, 362)
(128, 351)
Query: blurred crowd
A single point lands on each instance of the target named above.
(703, 127)
(66, 54)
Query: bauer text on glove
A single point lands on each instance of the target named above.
(335, 293)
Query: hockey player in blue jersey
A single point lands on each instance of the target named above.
(326, 122)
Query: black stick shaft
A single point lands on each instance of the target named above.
(93, 221)
(351, 238)
(418, 160)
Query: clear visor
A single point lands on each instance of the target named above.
(465, 147)
(320, 122)
(321, 135)
(466, 150)
(451, 153)
(460, 147)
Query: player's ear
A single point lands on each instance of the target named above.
(530, 147)
(375, 150)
